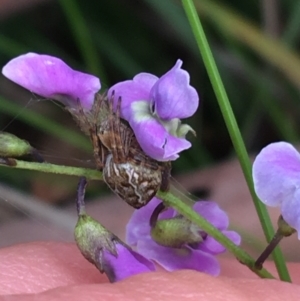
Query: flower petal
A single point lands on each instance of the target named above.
(155, 141)
(133, 90)
(276, 173)
(290, 210)
(50, 77)
(174, 145)
(174, 259)
(213, 213)
(173, 96)
(139, 223)
(210, 245)
(126, 264)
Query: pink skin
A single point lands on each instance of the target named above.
(56, 271)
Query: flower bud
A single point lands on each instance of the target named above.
(11, 147)
(284, 228)
(105, 250)
(175, 232)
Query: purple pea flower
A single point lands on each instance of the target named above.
(276, 175)
(52, 78)
(154, 106)
(200, 257)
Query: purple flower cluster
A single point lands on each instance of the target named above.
(153, 106)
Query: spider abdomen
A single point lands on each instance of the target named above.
(136, 184)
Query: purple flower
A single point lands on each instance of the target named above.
(276, 175)
(104, 249)
(154, 106)
(50, 77)
(127, 263)
(198, 257)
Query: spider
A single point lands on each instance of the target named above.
(127, 170)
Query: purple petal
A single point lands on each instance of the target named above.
(127, 263)
(212, 213)
(138, 226)
(133, 90)
(174, 259)
(276, 173)
(50, 77)
(233, 236)
(155, 141)
(210, 245)
(290, 210)
(174, 145)
(173, 96)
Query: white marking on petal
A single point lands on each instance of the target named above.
(141, 111)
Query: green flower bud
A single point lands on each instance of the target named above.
(91, 238)
(284, 228)
(12, 146)
(103, 249)
(175, 232)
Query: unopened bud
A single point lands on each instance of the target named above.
(284, 228)
(102, 248)
(175, 232)
(13, 147)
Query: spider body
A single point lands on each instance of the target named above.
(137, 184)
(127, 170)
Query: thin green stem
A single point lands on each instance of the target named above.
(90, 174)
(169, 200)
(233, 130)
(189, 213)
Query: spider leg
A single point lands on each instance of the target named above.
(124, 133)
(99, 107)
(98, 149)
(81, 117)
(117, 148)
(165, 176)
(138, 157)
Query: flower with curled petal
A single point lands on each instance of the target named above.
(104, 249)
(276, 175)
(154, 106)
(199, 256)
(50, 77)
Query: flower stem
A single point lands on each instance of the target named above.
(193, 216)
(268, 250)
(233, 130)
(90, 174)
(80, 204)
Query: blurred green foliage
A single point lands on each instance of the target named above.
(256, 48)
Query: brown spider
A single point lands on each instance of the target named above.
(127, 170)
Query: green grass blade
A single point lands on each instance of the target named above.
(83, 38)
(233, 129)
